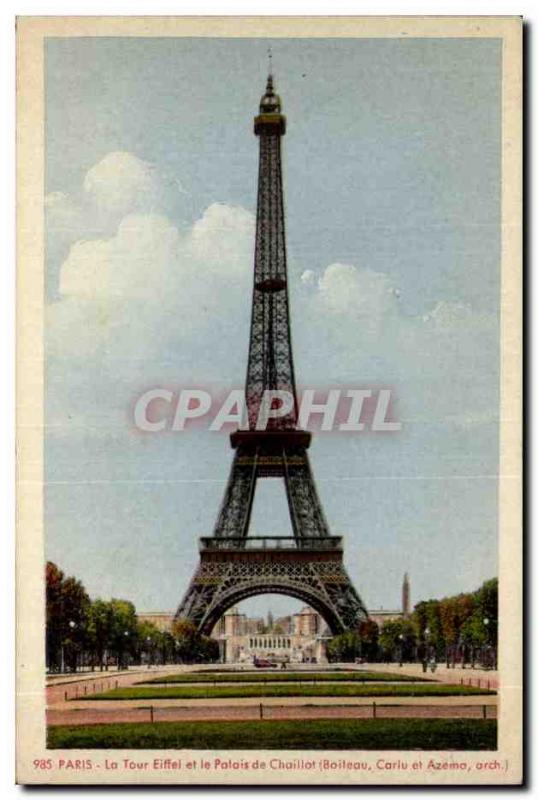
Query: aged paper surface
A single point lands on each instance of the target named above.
(137, 224)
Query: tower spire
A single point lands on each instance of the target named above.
(406, 596)
(270, 361)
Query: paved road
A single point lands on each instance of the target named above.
(91, 683)
(269, 711)
(76, 711)
(470, 677)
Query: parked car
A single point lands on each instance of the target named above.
(263, 662)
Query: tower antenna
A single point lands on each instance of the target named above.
(270, 60)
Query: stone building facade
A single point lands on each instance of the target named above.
(294, 639)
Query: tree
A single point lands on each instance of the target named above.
(208, 649)
(397, 638)
(100, 625)
(148, 640)
(185, 635)
(428, 629)
(487, 606)
(192, 647)
(449, 614)
(464, 623)
(67, 605)
(123, 632)
(369, 638)
(345, 647)
(54, 618)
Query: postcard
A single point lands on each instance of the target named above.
(269, 388)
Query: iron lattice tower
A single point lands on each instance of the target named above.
(308, 565)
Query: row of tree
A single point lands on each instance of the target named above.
(459, 629)
(101, 633)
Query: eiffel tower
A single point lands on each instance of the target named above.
(309, 564)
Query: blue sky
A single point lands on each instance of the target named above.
(392, 187)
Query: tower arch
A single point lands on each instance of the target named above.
(240, 593)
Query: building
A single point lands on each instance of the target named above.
(296, 638)
(382, 615)
(161, 619)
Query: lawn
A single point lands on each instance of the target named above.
(286, 690)
(284, 677)
(394, 734)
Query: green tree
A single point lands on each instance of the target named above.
(487, 606)
(369, 637)
(397, 640)
(100, 626)
(54, 617)
(464, 624)
(345, 647)
(208, 649)
(67, 605)
(148, 641)
(426, 621)
(185, 635)
(190, 646)
(123, 633)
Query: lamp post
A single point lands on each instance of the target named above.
(72, 625)
(401, 640)
(148, 642)
(488, 645)
(461, 651)
(426, 649)
(120, 655)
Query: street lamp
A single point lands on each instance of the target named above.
(126, 634)
(486, 622)
(71, 625)
(426, 649)
(148, 641)
(401, 639)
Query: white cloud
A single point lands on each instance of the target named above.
(223, 238)
(308, 277)
(346, 288)
(133, 263)
(147, 294)
(149, 284)
(363, 335)
(121, 183)
(445, 315)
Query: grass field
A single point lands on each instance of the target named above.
(284, 677)
(286, 690)
(409, 734)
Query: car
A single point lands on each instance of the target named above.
(263, 662)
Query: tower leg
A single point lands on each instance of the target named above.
(307, 515)
(236, 508)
